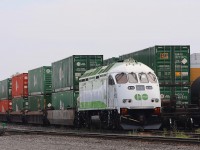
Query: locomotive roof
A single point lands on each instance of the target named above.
(115, 67)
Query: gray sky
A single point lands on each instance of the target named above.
(34, 33)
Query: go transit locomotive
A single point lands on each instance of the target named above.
(125, 94)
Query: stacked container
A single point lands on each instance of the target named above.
(5, 95)
(39, 88)
(65, 85)
(172, 66)
(20, 92)
(110, 61)
(65, 78)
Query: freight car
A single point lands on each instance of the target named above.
(125, 94)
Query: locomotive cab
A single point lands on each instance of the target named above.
(135, 95)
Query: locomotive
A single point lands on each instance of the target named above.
(123, 94)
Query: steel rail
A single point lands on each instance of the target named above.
(106, 136)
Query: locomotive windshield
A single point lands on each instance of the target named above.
(143, 77)
(152, 77)
(132, 78)
(121, 78)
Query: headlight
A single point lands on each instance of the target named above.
(156, 100)
(127, 100)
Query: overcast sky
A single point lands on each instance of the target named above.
(35, 33)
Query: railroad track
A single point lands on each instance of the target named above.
(105, 135)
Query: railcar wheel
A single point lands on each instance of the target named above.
(77, 120)
(173, 125)
(87, 121)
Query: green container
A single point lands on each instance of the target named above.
(170, 63)
(181, 93)
(66, 72)
(19, 104)
(39, 102)
(64, 100)
(6, 89)
(110, 61)
(39, 81)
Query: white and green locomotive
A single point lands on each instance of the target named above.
(123, 94)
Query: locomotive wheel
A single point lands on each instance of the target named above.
(88, 121)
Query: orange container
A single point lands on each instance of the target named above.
(5, 105)
(20, 85)
(194, 74)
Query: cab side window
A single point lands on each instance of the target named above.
(111, 80)
(152, 77)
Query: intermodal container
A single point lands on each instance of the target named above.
(5, 106)
(64, 100)
(20, 85)
(66, 72)
(19, 104)
(39, 102)
(172, 66)
(110, 61)
(5, 89)
(194, 67)
(39, 81)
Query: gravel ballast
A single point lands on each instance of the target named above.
(41, 142)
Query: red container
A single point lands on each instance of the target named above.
(20, 85)
(5, 105)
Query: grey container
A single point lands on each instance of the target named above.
(39, 81)
(6, 89)
(66, 72)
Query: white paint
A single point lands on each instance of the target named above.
(113, 95)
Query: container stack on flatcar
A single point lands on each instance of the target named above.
(65, 85)
(172, 66)
(5, 98)
(39, 90)
(19, 97)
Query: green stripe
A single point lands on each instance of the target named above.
(94, 104)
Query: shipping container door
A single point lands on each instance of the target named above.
(182, 94)
(57, 75)
(182, 65)
(80, 64)
(164, 64)
(94, 61)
